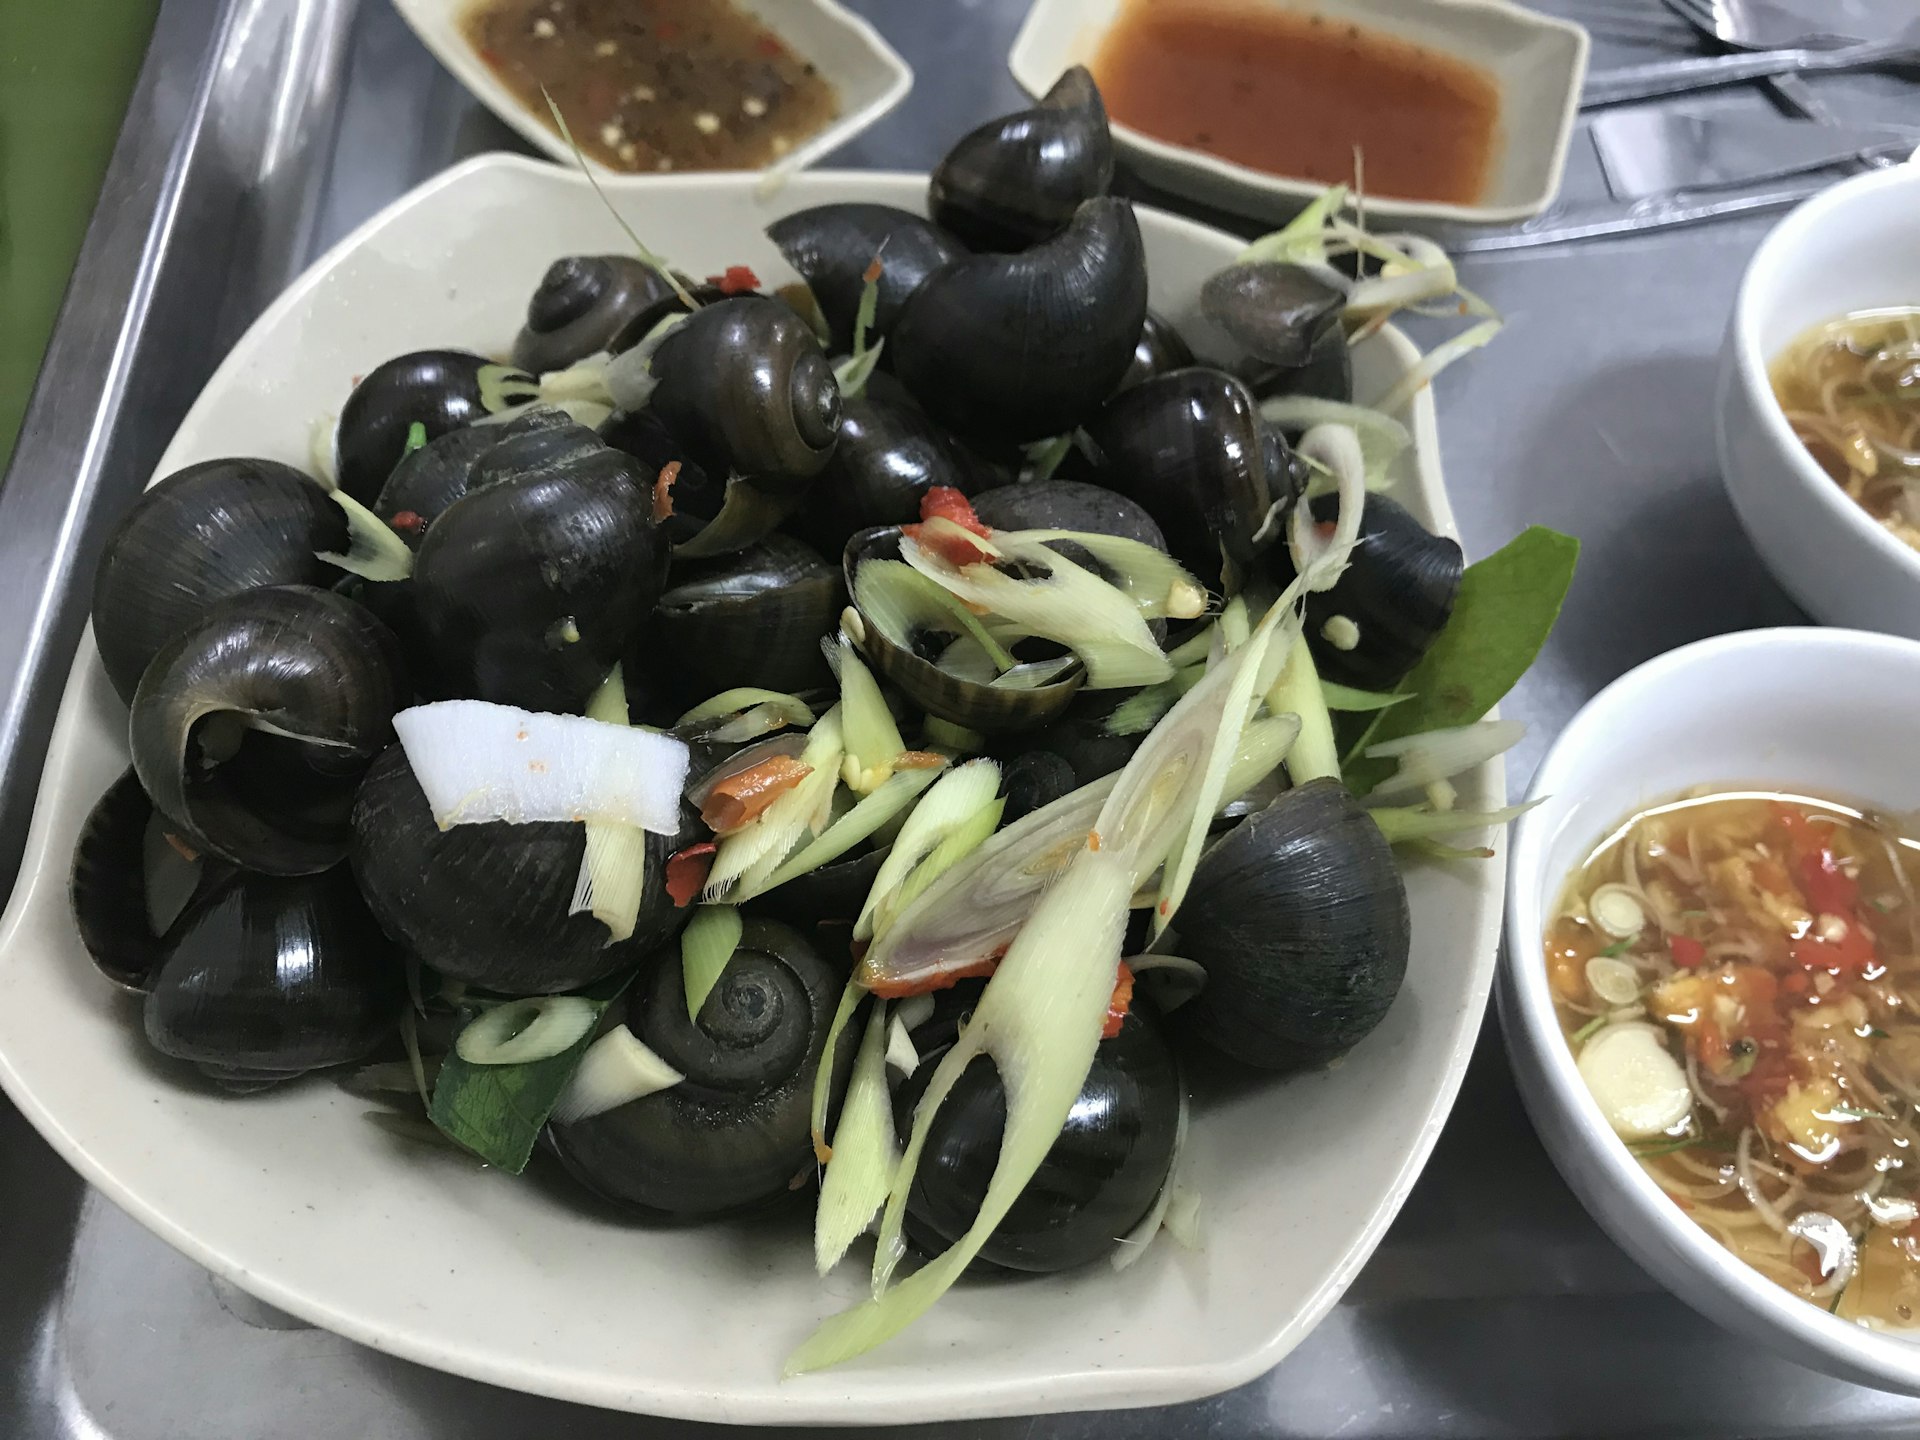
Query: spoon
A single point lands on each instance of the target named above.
(1797, 24)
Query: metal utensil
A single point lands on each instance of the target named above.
(1653, 151)
(1677, 77)
(1798, 24)
(1613, 219)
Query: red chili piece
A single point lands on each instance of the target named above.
(1686, 951)
(735, 280)
(1118, 1006)
(687, 872)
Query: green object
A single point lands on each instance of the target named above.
(706, 945)
(1505, 611)
(497, 1111)
(66, 72)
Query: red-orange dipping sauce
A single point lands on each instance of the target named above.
(1295, 93)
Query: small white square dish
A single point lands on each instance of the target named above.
(1535, 64)
(865, 72)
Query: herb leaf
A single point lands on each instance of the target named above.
(497, 1111)
(1506, 608)
(1587, 1029)
(1667, 1147)
(1618, 947)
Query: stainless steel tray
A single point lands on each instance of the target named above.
(261, 131)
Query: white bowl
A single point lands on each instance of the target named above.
(294, 1196)
(868, 74)
(1537, 61)
(1825, 710)
(1854, 247)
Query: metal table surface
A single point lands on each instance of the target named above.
(1493, 1308)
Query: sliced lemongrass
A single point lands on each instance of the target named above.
(1157, 583)
(740, 701)
(1613, 980)
(1139, 713)
(1264, 744)
(1435, 755)
(1303, 239)
(865, 1152)
(1182, 1220)
(520, 1032)
(850, 999)
(1044, 457)
(975, 909)
(898, 600)
(1172, 787)
(1134, 1243)
(759, 846)
(1617, 910)
(613, 865)
(626, 380)
(1194, 649)
(866, 819)
(901, 1054)
(964, 839)
(752, 723)
(1436, 360)
(374, 550)
(872, 739)
(1039, 1019)
(1035, 674)
(1400, 825)
(868, 310)
(1315, 754)
(1233, 627)
(853, 372)
(320, 459)
(706, 945)
(646, 257)
(958, 794)
(949, 736)
(479, 762)
(416, 1065)
(618, 1068)
(1348, 701)
(1382, 438)
(1336, 449)
(1065, 603)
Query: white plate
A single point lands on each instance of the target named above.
(294, 1196)
(868, 74)
(1538, 63)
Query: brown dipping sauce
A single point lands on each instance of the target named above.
(1294, 93)
(651, 85)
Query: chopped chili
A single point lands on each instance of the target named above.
(663, 491)
(735, 280)
(742, 797)
(1686, 951)
(1122, 1000)
(687, 872)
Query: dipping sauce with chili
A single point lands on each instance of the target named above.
(1294, 93)
(655, 85)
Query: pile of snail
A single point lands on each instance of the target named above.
(690, 482)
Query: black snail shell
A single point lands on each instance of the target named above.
(1078, 738)
(736, 1132)
(890, 453)
(251, 728)
(438, 390)
(646, 321)
(1299, 916)
(1326, 374)
(203, 533)
(832, 894)
(1098, 1181)
(908, 662)
(1275, 311)
(752, 618)
(1017, 180)
(255, 978)
(488, 904)
(744, 386)
(695, 497)
(1189, 446)
(529, 587)
(266, 978)
(1398, 590)
(583, 302)
(1068, 505)
(1015, 348)
(118, 884)
(430, 479)
(1159, 349)
(831, 246)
